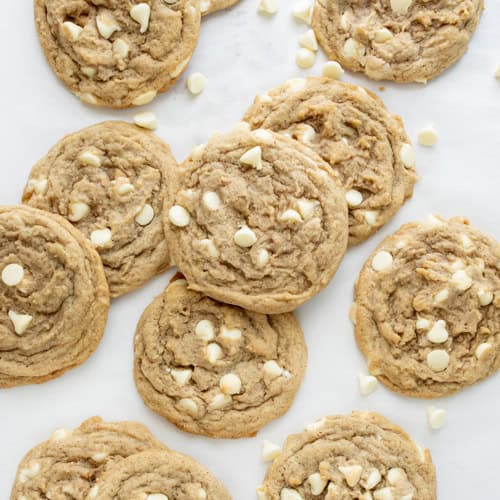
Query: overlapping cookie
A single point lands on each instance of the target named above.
(110, 181)
(114, 53)
(257, 220)
(427, 308)
(351, 129)
(216, 369)
(54, 299)
(362, 456)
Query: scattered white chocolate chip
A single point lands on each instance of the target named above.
(245, 237)
(441, 296)
(354, 198)
(78, 211)
(290, 216)
(428, 136)
(262, 258)
(438, 360)
(407, 155)
(210, 247)
(383, 494)
(213, 353)
(146, 120)
(352, 312)
(268, 6)
(211, 200)
(156, 496)
(461, 280)
(21, 322)
(438, 333)
(30, 472)
(230, 384)
(144, 98)
(289, 494)
(370, 217)
(182, 377)
(382, 261)
(305, 58)
(12, 274)
(141, 13)
(332, 69)
(353, 49)
(400, 6)
(483, 350)
(270, 451)
(121, 48)
(72, 30)
(367, 384)
(219, 401)
(351, 473)
(145, 215)
(374, 477)
(308, 40)
(179, 216)
(196, 83)
(302, 11)
(90, 159)
(205, 330)
(422, 323)
(231, 334)
(189, 406)
(317, 483)
(436, 417)
(253, 158)
(306, 207)
(101, 237)
(383, 35)
(106, 24)
(314, 426)
(272, 369)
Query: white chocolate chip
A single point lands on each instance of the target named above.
(307, 134)
(272, 369)
(121, 48)
(213, 353)
(145, 215)
(72, 30)
(407, 155)
(370, 217)
(383, 35)
(351, 473)
(467, 243)
(21, 322)
(211, 200)
(262, 258)
(400, 6)
(400, 244)
(289, 494)
(268, 6)
(308, 40)
(263, 135)
(290, 216)
(12, 274)
(372, 479)
(205, 5)
(365, 496)
(315, 425)
(231, 334)
(106, 24)
(261, 493)
(145, 98)
(354, 198)
(189, 406)
(30, 472)
(88, 98)
(302, 11)
(457, 264)
(383, 494)
(305, 58)
(78, 211)
(101, 237)
(205, 330)
(60, 434)
(38, 185)
(88, 71)
(396, 476)
(210, 247)
(146, 120)
(438, 333)
(306, 207)
(99, 457)
(141, 13)
(317, 483)
(270, 451)
(483, 350)
(461, 280)
(219, 401)
(196, 83)
(441, 296)
(438, 360)
(156, 496)
(253, 158)
(382, 261)
(93, 492)
(332, 69)
(179, 216)
(201, 494)
(436, 417)
(428, 136)
(245, 237)
(230, 384)
(90, 159)
(367, 384)
(182, 377)
(332, 492)
(353, 49)
(422, 323)
(352, 312)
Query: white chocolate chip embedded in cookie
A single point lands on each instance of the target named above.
(101, 237)
(400, 6)
(106, 24)
(245, 237)
(21, 322)
(141, 13)
(12, 274)
(230, 384)
(253, 157)
(145, 215)
(179, 216)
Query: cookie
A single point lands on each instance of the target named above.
(159, 475)
(428, 308)
(351, 129)
(215, 369)
(118, 54)
(362, 456)
(71, 461)
(257, 220)
(209, 6)
(110, 181)
(54, 299)
(400, 40)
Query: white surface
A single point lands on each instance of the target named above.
(243, 53)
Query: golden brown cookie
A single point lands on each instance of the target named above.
(54, 298)
(215, 369)
(351, 129)
(209, 6)
(427, 308)
(257, 220)
(110, 181)
(114, 53)
(400, 40)
(361, 456)
(71, 461)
